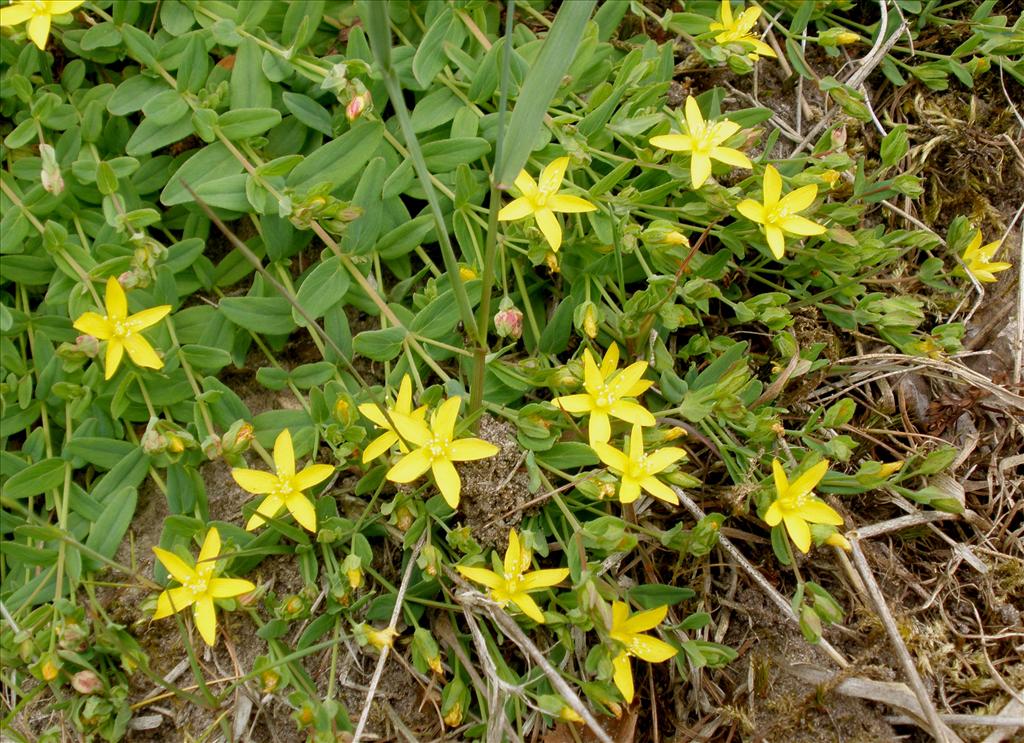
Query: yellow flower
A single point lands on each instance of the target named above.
(38, 13)
(638, 469)
(284, 488)
(401, 408)
(704, 142)
(198, 586)
(123, 331)
(437, 450)
(628, 630)
(606, 393)
(779, 215)
(889, 469)
(380, 638)
(512, 585)
(796, 506)
(543, 200)
(737, 30)
(978, 259)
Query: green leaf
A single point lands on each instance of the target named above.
(210, 163)
(569, 455)
(247, 122)
(309, 112)
(379, 345)
(540, 86)
(35, 479)
(430, 56)
(134, 93)
(98, 450)
(894, 145)
(249, 86)
(312, 375)
(264, 315)
(339, 160)
(108, 531)
(322, 288)
(652, 595)
(150, 136)
(206, 358)
(447, 154)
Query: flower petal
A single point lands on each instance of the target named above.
(448, 481)
(632, 412)
(543, 579)
(659, 490)
(465, 450)
(805, 483)
(819, 512)
(651, 649)
(312, 476)
(611, 456)
(610, 362)
(146, 318)
(267, 509)
(379, 445)
(660, 459)
(694, 119)
(38, 29)
(12, 15)
(115, 352)
(731, 156)
(552, 175)
(226, 588)
(577, 404)
(751, 210)
(593, 376)
(115, 300)
(205, 563)
(772, 186)
(623, 676)
(206, 619)
(526, 185)
(303, 510)
(512, 563)
(256, 482)
(599, 428)
(528, 606)
(776, 240)
(700, 169)
(796, 225)
(798, 530)
(747, 19)
(178, 568)
(781, 481)
(59, 7)
(94, 324)
(627, 378)
(800, 199)
(172, 601)
(629, 490)
(443, 423)
(636, 443)
(482, 576)
(773, 516)
(549, 227)
(284, 455)
(645, 620)
(141, 352)
(516, 209)
(673, 142)
(411, 466)
(570, 204)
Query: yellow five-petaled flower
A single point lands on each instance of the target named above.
(703, 140)
(543, 200)
(638, 469)
(778, 216)
(796, 506)
(284, 488)
(978, 259)
(199, 586)
(628, 630)
(606, 394)
(401, 408)
(437, 449)
(514, 584)
(122, 331)
(38, 13)
(736, 30)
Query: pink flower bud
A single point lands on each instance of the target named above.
(357, 105)
(88, 344)
(508, 323)
(86, 682)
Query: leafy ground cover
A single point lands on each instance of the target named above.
(511, 371)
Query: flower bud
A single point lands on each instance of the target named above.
(357, 105)
(88, 345)
(466, 273)
(49, 667)
(269, 680)
(50, 175)
(211, 446)
(153, 442)
(838, 540)
(552, 262)
(86, 682)
(454, 716)
(568, 714)
(237, 438)
(508, 323)
(847, 37)
(128, 280)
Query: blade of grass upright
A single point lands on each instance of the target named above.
(379, 31)
(541, 84)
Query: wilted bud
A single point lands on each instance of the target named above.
(430, 560)
(49, 667)
(890, 468)
(978, 65)
(50, 175)
(587, 317)
(551, 260)
(153, 442)
(466, 273)
(838, 540)
(237, 438)
(212, 446)
(293, 606)
(72, 636)
(831, 177)
(352, 566)
(357, 105)
(88, 345)
(454, 716)
(128, 280)
(568, 714)
(378, 638)
(508, 322)
(810, 624)
(403, 518)
(270, 679)
(847, 37)
(86, 682)
(336, 78)
(662, 232)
